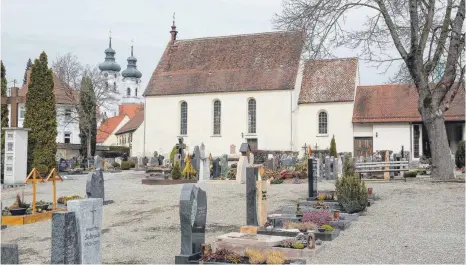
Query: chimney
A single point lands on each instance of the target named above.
(173, 32)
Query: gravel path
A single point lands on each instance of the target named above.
(414, 222)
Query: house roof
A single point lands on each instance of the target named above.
(253, 62)
(130, 109)
(64, 94)
(331, 80)
(107, 127)
(132, 124)
(397, 103)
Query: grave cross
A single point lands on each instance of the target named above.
(181, 146)
(93, 213)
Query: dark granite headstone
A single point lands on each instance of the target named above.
(268, 164)
(193, 213)
(63, 165)
(10, 254)
(251, 196)
(65, 247)
(312, 177)
(216, 168)
(196, 158)
(95, 184)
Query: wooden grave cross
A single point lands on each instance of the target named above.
(53, 176)
(34, 177)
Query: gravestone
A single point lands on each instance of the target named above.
(98, 162)
(335, 167)
(216, 168)
(193, 213)
(177, 159)
(88, 214)
(181, 146)
(204, 167)
(160, 159)
(251, 158)
(386, 174)
(275, 162)
(65, 241)
(63, 165)
(251, 196)
(268, 164)
(242, 163)
(232, 149)
(327, 168)
(224, 165)
(166, 162)
(154, 161)
(10, 254)
(118, 160)
(95, 184)
(312, 178)
(340, 167)
(140, 163)
(262, 205)
(196, 158)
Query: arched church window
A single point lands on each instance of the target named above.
(184, 118)
(217, 116)
(323, 122)
(252, 116)
(128, 91)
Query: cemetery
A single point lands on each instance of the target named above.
(201, 216)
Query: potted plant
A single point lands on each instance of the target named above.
(18, 207)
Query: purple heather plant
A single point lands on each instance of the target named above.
(317, 217)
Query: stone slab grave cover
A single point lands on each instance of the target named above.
(10, 254)
(252, 240)
(95, 184)
(65, 241)
(88, 214)
(193, 214)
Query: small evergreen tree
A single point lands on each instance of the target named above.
(87, 118)
(348, 166)
(333, 147)
(176, 172)
(4, 113)
(28, 66)
(41, 117)
(173, 153)
(188, 171)
(350, 190)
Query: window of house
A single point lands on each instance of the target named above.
(323, 122)
(128, 91)
(416, 137)
(184, 118)
(130, 138)
(67, 138)
(136, 92)
(67, 114)
(21, 112)
(217, 116)
(252, 116)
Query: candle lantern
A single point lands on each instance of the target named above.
(369, 191)
(336, 215)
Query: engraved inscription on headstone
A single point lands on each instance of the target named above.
(88, 214)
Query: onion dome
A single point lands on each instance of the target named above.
(109, 64)
(131, 70)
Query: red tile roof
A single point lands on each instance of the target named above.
(253, 62)
(397, 103)
(64, 94)
(107, 127)
(132, 124)
(130, 109)
(331, 80)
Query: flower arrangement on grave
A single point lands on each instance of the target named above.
(176, 172)
(19, 204)
(188, 171)
(64, 199)
(317, 217)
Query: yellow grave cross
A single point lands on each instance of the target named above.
(54, 177)
(34, 177)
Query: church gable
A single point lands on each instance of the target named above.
(332, 80)
(254, 62)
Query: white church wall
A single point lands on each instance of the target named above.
(339, 124)
(112, 138)
(272, 129)
(391, 136)
(362, 130)
(137, 146)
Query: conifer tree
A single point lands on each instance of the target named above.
(41, 117)
(87, 118)
(28, 66)
(4, 112)
(333, 147)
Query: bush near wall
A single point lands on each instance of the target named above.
(125, 165)
(115, 151)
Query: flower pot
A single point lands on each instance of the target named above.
(322, 230)
(43, 207)
(369, 191)
(18, 211)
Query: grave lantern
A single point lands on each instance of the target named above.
(336, 215)
(245, 150)
(369, 191)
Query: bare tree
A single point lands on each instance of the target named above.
(426, 35)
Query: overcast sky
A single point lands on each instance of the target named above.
(81, 27)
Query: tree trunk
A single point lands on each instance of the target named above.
(442, 165)
(89, 151)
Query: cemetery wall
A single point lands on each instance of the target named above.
(273, 112)
(339, 120)
(112, 138)
(137, 146)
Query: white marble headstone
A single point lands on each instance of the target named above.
(88, 214)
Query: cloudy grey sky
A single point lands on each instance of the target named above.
(81, 27)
